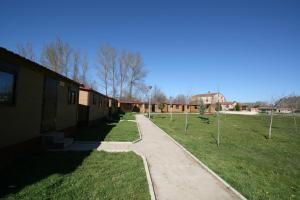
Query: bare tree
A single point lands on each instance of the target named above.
(26, 51)
(136, 72)
(56, 56)
(180, 98)
(103, 59)
(124, 62)
(108, 71)
(76, 63)
(84, 65)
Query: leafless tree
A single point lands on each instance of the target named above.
(136, 72)
(56, 56)
(85, 65)
(26, 51)
(180, 98)
(124, 62)
(76, 63)
(104, 69)
(187, 101)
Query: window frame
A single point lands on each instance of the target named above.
(13, 100)
(71, 96)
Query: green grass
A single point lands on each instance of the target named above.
(109, 131)
(257, 167)
(76, 175)
(127, 116)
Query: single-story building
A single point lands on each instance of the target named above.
(131, 106)
(113, 108)
(33, 100)
(93, 106)
(228, 105)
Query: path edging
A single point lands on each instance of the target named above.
(149, 178)
(204, 166)
(139, 130)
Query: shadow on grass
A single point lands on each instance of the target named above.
(96, 132)
(33, 168)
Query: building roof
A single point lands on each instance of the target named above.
(89, 89)
(206, 94)
(9, 55)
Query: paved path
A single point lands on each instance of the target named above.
(174, 173)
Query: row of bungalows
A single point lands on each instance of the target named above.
(94, 106)
(35, 101)
(143, 107)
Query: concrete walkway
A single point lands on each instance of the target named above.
(175, 174)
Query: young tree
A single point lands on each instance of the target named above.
(187, 101)
(161, 106)
(201, 107)
(136, 72)
(218, 106)
(56, 56)
(237, 107)
(26, 51)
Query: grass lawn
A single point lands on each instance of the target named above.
(76, 175)
(109, 131)
(127, 116)
(257, 167)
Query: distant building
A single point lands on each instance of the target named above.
(209, 98)
(228, 105)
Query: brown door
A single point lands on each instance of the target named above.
(49, 105)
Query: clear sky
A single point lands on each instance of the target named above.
(250, 50)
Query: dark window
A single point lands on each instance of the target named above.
(146, 105)
(177, 106)
(195, 107)
(94, 99)
(171, 106)
(7, 87)
(71, 96)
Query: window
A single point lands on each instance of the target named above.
(7, 88)
(94, 99)
(187, 106)
(177, 106)
(71, 96)
(196, 107)
(171, 106)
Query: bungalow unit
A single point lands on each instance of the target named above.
(93, 106)
(284, 110)
(176, 107)
(33, 100)
(113, 108)
(131, 106)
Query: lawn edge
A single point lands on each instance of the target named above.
(139, 130)
(227, 185)
(149, 177)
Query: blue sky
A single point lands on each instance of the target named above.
(250, 50)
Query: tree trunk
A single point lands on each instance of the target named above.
(218, 139)
(186, 121)
(270, 128)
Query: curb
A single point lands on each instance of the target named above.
(204, 166)
(149, 178)
(138, 126)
